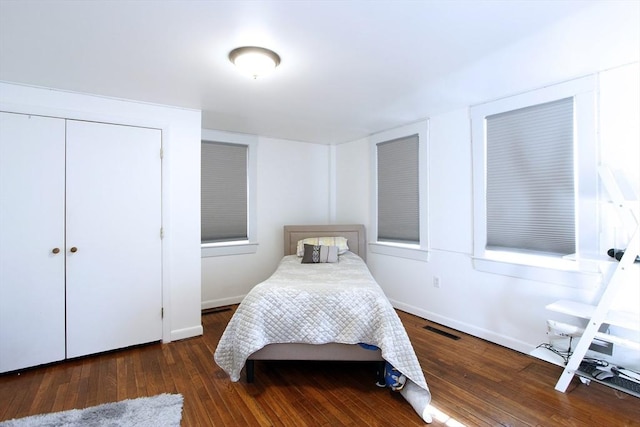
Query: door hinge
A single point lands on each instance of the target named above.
(161, 153)
(162, 312)
(161, 232)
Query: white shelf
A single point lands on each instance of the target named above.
(549, 356)
(577, 331)
(623, 319)
(589, 377)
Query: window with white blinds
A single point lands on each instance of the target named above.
(398, 190)
(224, 194)
(530, 190)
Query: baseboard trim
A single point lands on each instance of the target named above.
(213, 303)
(484, 334)
(180, 334)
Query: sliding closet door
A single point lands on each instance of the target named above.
(113, 247)
(31, 241)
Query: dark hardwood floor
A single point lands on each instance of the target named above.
(473, 382)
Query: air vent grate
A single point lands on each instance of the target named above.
(441, 332)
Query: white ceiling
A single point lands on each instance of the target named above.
(349, 68)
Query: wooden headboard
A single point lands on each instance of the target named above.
(354, 233)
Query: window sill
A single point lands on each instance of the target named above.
(228, 248)
(399, 250)
(566, 271)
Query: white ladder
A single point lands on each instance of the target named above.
(602, 312)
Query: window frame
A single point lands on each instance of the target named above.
(573, 270)
(402, 250)
(249, 245)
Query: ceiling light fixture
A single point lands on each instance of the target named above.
(254, 61)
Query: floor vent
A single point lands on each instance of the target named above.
(215, 310)
(441, 332)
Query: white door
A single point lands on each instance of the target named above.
(32, 322)
(114, 288)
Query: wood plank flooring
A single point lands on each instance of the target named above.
(473, 383)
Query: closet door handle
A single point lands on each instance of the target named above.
(73, 249)
(56, 250)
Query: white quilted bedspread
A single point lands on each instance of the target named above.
(317, 304)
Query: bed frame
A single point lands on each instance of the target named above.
(355, 235)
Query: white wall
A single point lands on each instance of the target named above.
(353, 172)
(620, 138)
(504, 309)
(601, 36)
(293, 188)
(180, 192)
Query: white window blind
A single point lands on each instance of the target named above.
(530, 179)
(398, 197)
(223, 192)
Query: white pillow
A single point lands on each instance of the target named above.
(340, 242)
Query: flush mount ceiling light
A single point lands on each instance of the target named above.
(254, 61)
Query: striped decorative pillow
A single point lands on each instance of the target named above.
(317, 254)
(340, 242)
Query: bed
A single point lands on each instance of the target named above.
(355, 235)
(322, 311)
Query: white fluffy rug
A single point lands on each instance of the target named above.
(163, 410)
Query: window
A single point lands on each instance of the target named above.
(224, 192)
(530, 186)
(228, 168)
(398, 208)
(535, 183)
(400, 201)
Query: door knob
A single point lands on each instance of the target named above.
(74, 249)
(56, 250)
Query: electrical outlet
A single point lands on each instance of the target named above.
(436, 282)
